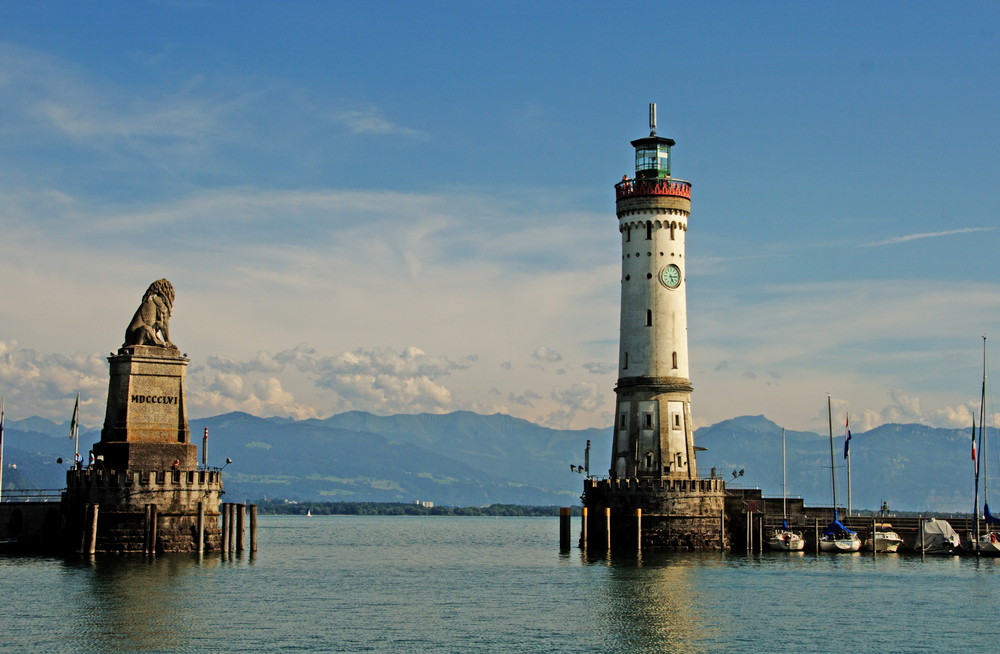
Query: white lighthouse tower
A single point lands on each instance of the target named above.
(652, 496)
(653, 437)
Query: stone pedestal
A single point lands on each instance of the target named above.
(680, 515)
(145, 426)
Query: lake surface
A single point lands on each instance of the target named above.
(467, 584)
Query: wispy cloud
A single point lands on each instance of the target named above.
(914, 237)
(372, 121)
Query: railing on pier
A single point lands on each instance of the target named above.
(31, 495)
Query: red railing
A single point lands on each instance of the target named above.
(629, 188)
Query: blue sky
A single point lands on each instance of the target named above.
(404, 207)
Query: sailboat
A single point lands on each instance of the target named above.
(785, 539)
(985, 543)
(836, 537)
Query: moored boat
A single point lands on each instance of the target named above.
(838, 538)
(937, 537)
(883, 538)
(785, 539)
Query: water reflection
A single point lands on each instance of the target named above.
(649, 600)
(137, 604)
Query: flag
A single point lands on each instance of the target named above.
(847, 441)
(73, 425)
(973, 439)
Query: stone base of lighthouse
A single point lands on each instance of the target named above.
(142, 511)
(664, 514)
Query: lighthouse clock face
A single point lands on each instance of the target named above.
(670, 276)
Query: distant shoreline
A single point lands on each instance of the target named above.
(285, 507)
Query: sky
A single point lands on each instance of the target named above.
(407, 207)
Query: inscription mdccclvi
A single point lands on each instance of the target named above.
(154, 399)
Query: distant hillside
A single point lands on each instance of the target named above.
(469, 459)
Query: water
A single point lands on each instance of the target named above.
(463, 584)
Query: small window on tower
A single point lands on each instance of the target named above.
(649, 230)
(623, 423)
(647, 421)
(628, 234)
(625, 362)
(649, 319)
(677, 421)
(675, 360)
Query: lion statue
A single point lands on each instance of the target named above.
(152, 318)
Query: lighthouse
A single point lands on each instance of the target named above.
(653, 437)
(652, 496)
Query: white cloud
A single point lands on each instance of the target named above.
(913, 237)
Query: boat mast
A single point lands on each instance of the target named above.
(833, 469)
(784, 480)
(982, 435)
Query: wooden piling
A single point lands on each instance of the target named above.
(607, 526)
(241, 510)
(225, 527)
(232, 526)
(583, 528)
(253, 528)
(92, 528)
(200, 532)
(153, 517)
(816, 533)
(564, 527)
(638, 529)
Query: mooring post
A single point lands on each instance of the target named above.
(225, 527)
(232, 526)
(607, 526)
(241, 510)
(816, 533)
(920, 536)
(200, 535)
(153, 517)
(92, 529)
(874, 544)
(583, 528)
(760, 534)
(564, 516)
(749, 532)
(638, 529)
(253, 528)
(722, 527)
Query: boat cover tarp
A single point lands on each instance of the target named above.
(938, 534)
(836, 528)
(990, 519)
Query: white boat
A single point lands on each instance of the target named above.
(883, 538)
(937, 537)
(836, 537)
(985, 543)
(785, 539)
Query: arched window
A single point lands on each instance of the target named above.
(649, 230)
(625, 362)
(675, 361)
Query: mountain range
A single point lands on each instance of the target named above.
(468, 459)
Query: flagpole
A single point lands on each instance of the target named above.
(74, 432)
(2, 399)
(847, 451)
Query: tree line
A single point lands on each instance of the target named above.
(288, 507)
